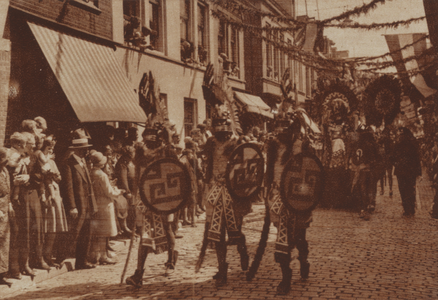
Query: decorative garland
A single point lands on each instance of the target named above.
(382, 100)
(377, 26)
(317, 62)
(238, 8)
(355, 12)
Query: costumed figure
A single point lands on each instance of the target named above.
(293, 174)
(224, 212)
(364, 155)
(158, 183)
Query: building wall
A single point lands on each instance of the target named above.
(175, 79)
(5, 70)
(74, 13)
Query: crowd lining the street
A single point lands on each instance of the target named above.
(49, 214)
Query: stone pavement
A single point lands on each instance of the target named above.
(387, 257)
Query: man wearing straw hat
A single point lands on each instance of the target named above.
(79, 198)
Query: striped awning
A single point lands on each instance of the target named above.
(253, 104)
(90, 77)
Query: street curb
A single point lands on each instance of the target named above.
(43, 275)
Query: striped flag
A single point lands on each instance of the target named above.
(398, 41)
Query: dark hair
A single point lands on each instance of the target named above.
(49, 141)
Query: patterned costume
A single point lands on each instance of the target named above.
(224, 215)
(291, 226)
(157, 234)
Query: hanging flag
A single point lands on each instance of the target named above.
(398, 41)
(309, 37)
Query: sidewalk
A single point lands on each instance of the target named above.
(27, 282)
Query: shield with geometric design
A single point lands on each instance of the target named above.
(302, 183)
(165, 186)
(245, 171)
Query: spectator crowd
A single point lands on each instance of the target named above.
(48, 214)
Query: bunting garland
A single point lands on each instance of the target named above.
(310, 59)
(238, 8)
(377, 26)
(355, 12)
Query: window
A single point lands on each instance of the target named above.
(131, 8)
(202, 38)
(269, 66)
(282, 57)
(163, 98)
(184, 19)
(208, 111)
(190, 115)
(300, 78)
(222, 38)
(276, 56)
(187, 48)
(132, 27)
(290, 62)
(154, 23)
(234, 55)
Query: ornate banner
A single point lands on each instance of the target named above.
(383, 97)
(245, 171)
(165, 186)
(302, 183)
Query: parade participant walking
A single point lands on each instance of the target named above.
(6, 209)
(79, 199)
(156, 144)
(283, 147)
(363, 157)
(217, 150)
(407, 168)
(290, 164)
(224, 215)
(149, 151)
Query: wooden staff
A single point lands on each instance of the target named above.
(131, 244)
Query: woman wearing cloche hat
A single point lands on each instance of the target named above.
(103, 224)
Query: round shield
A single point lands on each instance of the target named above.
(302, 183)
(245, 170)
(165, 186)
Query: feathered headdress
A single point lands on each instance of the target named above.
(151, 102)
(218, 93)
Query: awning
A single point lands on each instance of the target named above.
(90, 77)
(254, 104)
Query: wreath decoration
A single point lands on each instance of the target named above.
(382, 100)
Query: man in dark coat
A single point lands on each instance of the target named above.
(407, 168)
(78, 198)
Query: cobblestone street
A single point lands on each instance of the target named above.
(387, 257)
